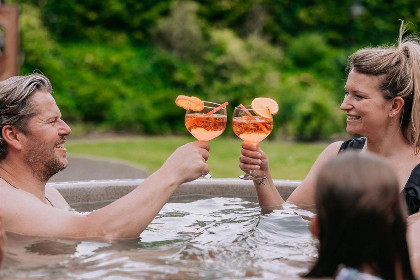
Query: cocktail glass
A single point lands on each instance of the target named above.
(206, 124)
(252, 128)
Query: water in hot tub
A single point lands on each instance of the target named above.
(191, 238)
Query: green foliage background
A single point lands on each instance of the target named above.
(119, 65)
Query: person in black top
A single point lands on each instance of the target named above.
(382, 103)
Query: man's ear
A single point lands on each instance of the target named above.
(397, 105)
(12, 136)
(315, 226)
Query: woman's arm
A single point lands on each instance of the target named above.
(413, 241)
(304, 194)
(253, 158)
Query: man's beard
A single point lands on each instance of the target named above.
(43, 161)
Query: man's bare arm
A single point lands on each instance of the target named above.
(126, 217)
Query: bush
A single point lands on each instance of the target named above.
(38, 49)
(239, 70)
(307, 50)
(180, 33)
(317, 118)
(123, 87)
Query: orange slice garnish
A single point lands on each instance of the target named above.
(189, 102)
(264, 107)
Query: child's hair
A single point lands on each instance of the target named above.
(361, 219)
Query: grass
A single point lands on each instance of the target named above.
(288, 160)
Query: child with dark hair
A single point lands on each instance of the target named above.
(360, 221)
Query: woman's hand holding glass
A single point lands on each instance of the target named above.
(253, 124)
(253, 160)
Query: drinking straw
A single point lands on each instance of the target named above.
(246, 111)
(217, 108)
(253, 118)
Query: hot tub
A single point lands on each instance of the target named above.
(210, 229)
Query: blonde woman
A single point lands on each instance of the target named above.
(382, 103)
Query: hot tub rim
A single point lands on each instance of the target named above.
(76, 192)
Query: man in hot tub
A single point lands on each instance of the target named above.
(32, 150)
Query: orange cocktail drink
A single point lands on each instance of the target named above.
(253, 123)
(203, 119)
(251, 129)
(204, 126)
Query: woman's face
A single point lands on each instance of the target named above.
(367, 110)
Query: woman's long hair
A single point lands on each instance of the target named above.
(361, 218)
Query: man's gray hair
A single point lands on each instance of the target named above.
(15, 109)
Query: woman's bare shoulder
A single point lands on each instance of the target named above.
(334, 146)
(329, 152)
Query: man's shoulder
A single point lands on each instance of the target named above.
(14, 197)
(14, 204)
(6, 189)
(3, 184)
(56, 197)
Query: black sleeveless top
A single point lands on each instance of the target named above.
(411, 191)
